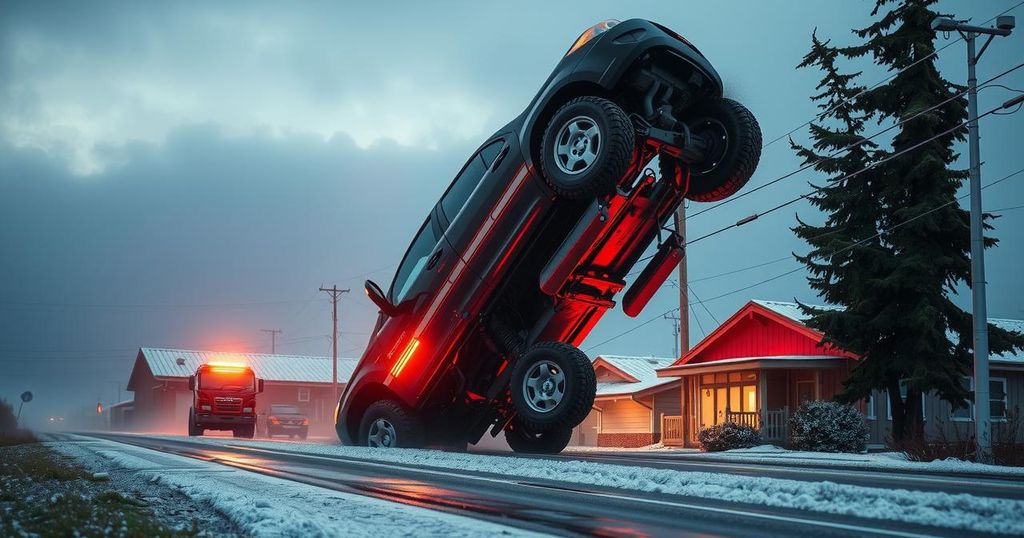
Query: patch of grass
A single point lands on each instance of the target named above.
(17, 437)
(37, 462)
(47, 494)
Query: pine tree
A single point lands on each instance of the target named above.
(894, 290)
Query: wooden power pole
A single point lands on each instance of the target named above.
(335, 294)
(684, 301)
(273, 339)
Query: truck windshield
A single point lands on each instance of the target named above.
(213, 380)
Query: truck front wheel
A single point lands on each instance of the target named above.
(522, 439)
(388, 424)
(553, 387)
(193, 429)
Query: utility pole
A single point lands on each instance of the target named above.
(675, 332)
(335, 294)
(273, 339)
(683, 331)
(982, 413)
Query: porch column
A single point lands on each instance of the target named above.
(762, 397)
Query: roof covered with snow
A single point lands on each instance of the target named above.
(287, 368)
(793, 312)
(642, 369)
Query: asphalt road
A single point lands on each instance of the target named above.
(974, 484)
(540, 505)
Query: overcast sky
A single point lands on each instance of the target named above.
(185, 174)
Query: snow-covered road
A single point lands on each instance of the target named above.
(587, 497)
(261, 505)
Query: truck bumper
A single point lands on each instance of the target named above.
(213, 419)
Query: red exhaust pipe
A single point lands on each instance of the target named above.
(669, 254)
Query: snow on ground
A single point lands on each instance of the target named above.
(265, 506)
(888, 461)
(959, 511)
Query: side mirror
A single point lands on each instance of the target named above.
(191, 382)
(378, 298)
(259, 385)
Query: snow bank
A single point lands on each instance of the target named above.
(959, 511)
(265, 506)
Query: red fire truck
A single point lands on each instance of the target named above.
(223, 398)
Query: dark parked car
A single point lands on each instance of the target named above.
(529, 245)
(287, 420)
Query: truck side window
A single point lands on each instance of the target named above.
(490, 151)
(416, 257)
(462, 187)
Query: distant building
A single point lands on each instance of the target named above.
(631, 401)
(162, 400)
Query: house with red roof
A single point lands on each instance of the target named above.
(763, 362)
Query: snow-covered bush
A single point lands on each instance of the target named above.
(827, 427)
(727, 436)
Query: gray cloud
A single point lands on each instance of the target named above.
(156, 153)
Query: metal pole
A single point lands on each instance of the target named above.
(684, 299)
(982, 418)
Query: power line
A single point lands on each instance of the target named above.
(880, 82)
(755, 216)
(787, 273)
(854, 145)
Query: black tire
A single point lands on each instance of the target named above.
(406, 428)
(615, 145)
(193, 429)
(569, 371)
(733, 156)
(521, 439)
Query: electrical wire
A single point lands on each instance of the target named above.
(880, 82)
(787, 273)
(856, 144)
(756, 216)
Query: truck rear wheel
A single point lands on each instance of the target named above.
(521, 439)
(388, 424)
(553, 387)
(734, 139)
(193, 429)
(587, 148)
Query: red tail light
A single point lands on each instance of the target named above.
(275, 420)
(404, 357)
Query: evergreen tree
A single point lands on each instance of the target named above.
(894, 290)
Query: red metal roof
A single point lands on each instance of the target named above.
(758, 331)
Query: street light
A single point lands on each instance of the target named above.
(982, 414)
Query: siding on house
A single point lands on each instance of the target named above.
(666, 403)
(624, 416)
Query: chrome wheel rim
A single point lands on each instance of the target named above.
(544, 386)
(382, 434)
(577, 145)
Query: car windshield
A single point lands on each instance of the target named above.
(220, 380)
(284, 410)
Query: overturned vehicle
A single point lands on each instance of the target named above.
(533, 240)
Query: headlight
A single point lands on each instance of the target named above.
(247, 410)
(591, 33)
(205, 407)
